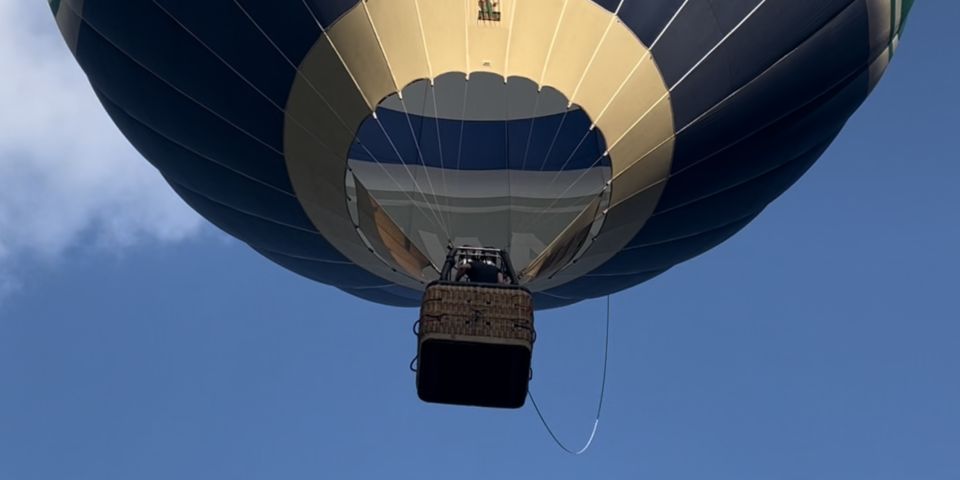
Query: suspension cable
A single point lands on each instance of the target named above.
(603, 387)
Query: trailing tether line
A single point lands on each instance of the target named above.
(603, 387)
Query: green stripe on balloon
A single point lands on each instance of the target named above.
(893, 28)
(54, 6)
(907, 5)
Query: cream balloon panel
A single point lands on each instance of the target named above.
(574, 46)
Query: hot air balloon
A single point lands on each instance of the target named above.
(598, 142)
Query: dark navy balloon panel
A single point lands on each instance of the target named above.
(598, 142)
(552, 143)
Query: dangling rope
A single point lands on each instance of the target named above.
(603, 387)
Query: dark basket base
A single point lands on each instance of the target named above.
(471, 373)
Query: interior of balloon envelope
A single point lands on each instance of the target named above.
(479, 161)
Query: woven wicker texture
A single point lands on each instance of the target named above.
(470, 310)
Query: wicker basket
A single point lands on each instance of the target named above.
(475, 344)
(483, 313)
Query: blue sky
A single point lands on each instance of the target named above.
(136, 342)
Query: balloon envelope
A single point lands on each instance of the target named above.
(599, 142)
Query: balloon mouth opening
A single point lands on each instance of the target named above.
(502, 163)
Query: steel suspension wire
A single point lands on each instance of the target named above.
(603, 388)
(436, 219)
(692, 69)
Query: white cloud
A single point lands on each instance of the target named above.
(66, 173)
